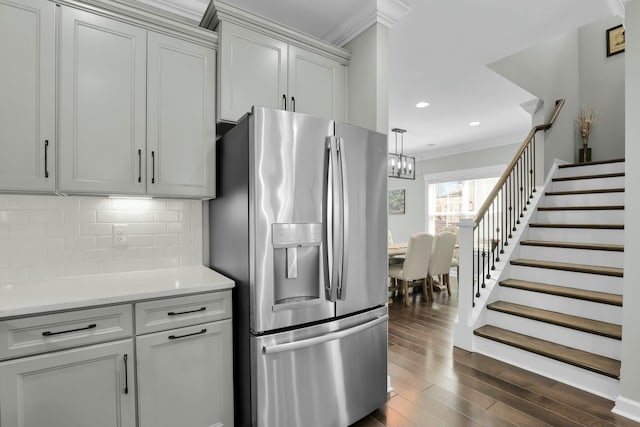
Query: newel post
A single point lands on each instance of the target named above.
(463, 330)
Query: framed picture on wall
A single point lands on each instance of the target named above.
(615, 40)
(396, 202)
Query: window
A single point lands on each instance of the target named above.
(451, 200)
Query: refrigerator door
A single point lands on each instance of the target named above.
(288, 186)
(363, 156)
(325, 375)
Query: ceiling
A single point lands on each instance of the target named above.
(438, 53)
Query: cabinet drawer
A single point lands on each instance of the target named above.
(160, 315)
(51, 332)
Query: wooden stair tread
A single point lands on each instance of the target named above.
(572, 245)
(563, 291)
(565, 266)
(596, 176)
(583, 324)
(582, 208)
(598, 162)
(572, 192)
(589, 226)
(582, 359)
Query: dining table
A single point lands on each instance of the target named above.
(395, 249)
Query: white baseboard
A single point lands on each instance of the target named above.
(627, 408)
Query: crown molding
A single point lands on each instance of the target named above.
(499, 141)
(617, 7)
(149, 17)
(190, 9)
(385, 12)
(220, 11)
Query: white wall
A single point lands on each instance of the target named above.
(574, 66)
(412, 221)
(630, 375)
(367, 79)
(43, 237)
(550, 71)
(601, 85)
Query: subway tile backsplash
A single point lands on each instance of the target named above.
(44, 237)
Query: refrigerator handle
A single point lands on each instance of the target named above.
(344, 223)
(297, 345)
(330, 222)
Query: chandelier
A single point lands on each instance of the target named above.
(399, 165)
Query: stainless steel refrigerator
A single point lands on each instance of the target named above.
(300, 224)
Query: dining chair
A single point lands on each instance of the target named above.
(414, 270)
(440, 260)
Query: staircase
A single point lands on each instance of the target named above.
(557, 309)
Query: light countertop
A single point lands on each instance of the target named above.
(69, 293)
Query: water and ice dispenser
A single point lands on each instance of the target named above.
(297, 261)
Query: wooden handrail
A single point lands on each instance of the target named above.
(507, 172)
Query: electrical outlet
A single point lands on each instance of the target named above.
(120, 235)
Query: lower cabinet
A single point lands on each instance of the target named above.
(88, 386)
(185, 376)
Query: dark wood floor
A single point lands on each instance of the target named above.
(436, 384)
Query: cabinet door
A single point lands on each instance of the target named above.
(180, 118)
(316, 84)
(102, 105)
(185, 377)
(27, 90)
(74, 388)
(253, 71)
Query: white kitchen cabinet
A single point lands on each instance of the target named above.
(253, 71)
(317, 84)
(257, 68)
(137, 109)
(88, 386)
(102, 105)
(185, 376)
(27, 91)
(180, 118)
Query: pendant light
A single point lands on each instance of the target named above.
(399, 165)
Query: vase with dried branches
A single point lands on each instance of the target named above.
(585, 122)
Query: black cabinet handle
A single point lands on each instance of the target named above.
(126, 375)
(284, 101)
(49, 333)
(175, 337)
(139, 165)
(293, 104)
(153, 167)
(46, 158)
(173, 313)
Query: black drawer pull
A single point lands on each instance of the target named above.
(46, 158)
(49, 333)
(175, 337)
(173, 313)
(126, 374)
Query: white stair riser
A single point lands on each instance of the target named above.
(587, 184)
(573, 256)
(559, 371)
(593, 199)
(591, 282)
(574, 307)
(590, 170)
(580, 217)
(602, 346)
(576, 235)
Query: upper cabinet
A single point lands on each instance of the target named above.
(180, 118)
(270, 65)
(137, 110)
(27, 91)
(103, 74)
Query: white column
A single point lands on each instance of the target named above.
(463, 329)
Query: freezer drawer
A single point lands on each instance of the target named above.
(325, 375)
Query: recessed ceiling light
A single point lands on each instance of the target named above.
(431, 145)
(474, 123)
(422, 104)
